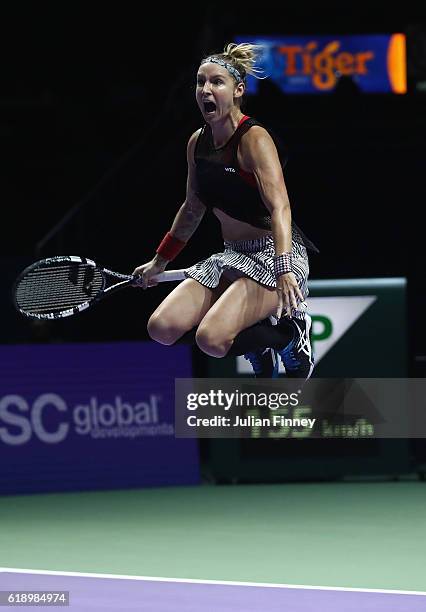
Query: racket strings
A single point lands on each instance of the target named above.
(59, 287)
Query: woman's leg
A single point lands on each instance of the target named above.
(183, 309)
(242, 304)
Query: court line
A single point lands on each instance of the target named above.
(199, 581)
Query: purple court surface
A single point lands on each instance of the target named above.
(121, 593)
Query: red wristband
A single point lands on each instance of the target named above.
(170, 247)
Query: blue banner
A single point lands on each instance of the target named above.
(92, 416)
(314, 64)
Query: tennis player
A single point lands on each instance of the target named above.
(235, 170)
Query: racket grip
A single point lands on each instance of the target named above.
(169, 275)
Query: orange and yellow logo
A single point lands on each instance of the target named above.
(326, 65)
(377, 63)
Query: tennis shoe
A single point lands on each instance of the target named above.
(297, 356)
(264, 363)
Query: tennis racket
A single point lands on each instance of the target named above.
(60, 287)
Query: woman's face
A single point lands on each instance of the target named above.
(216, 91)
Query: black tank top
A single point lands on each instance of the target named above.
(222, 184)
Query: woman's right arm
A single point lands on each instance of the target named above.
(185, 223)
(191, 212)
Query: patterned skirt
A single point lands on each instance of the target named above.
(253, 259)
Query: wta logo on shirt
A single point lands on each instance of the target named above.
(230, 170)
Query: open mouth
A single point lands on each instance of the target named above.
(209, 107)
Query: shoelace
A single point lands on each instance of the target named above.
(288, 353)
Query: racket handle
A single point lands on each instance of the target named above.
(169, 275)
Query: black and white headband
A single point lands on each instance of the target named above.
(216, 60)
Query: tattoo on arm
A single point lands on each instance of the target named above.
(187, 219)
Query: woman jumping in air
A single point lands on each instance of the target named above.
(235, 170)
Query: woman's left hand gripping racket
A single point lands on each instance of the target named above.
(63, 286)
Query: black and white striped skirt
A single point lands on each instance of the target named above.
(254, 259)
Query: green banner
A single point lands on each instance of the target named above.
(359, 331)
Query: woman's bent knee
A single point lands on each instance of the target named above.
(211, 342)
(163, 331)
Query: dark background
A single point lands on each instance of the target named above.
(96, 111)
